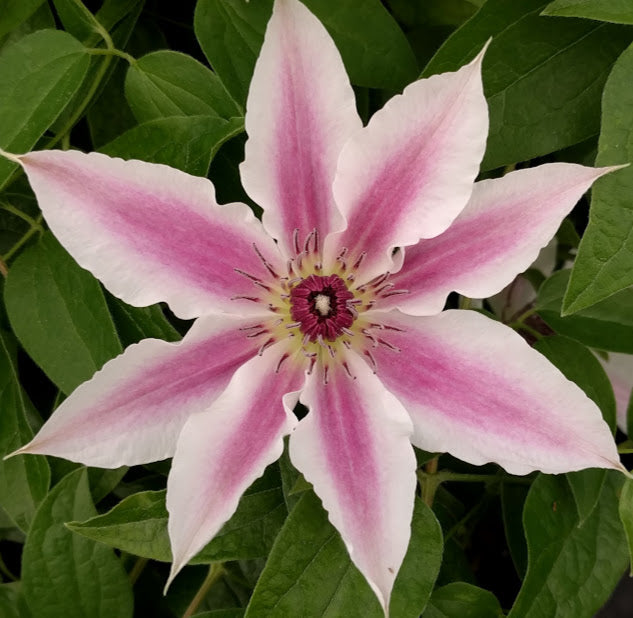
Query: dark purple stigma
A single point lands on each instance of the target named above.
(320, 305)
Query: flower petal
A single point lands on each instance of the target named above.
(498, 235)
(300, 111)
(410, 172)
(353, 446)
(222, 451)
(149, 232)
(132, 410)
(619, 368)
(475, 389)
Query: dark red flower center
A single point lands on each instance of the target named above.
(321, 306)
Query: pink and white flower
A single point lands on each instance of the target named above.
(334, 299)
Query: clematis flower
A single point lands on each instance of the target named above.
(334, 299)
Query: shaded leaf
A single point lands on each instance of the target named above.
(310, 568)
(14, 12)
(543, 76)
(462, 600)
(572, 566)
(59, 314)
(374, 49)
(39, 74)
(605, 257)
(66, 574)
(167, 83)
(187, 143)
(138, 525)
(24, 479)
(625, 510)
(617, 11)
(607, 325)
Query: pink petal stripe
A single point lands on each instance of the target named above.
(149, 232)
(353, 446)
(409, 173)
(300, 111)
(222, 451)
(133, 409)
(619, 368)
(475, 389)
(498, 235)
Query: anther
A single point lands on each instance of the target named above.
(347, 331)
(394, 293)
(295, 240)
(389, 345)
(293, 325)
(266, 345)
(359, 261)
(306, 244)
(281, 361)
(257, 334)
(251, 327)
(349, 373)
(326, 374)
(265, 262)
(316, 240)
(385, 288)
(376, 281)
(247, 275)
(372, 360)
(313, 360)
(251, 298)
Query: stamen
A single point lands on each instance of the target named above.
(389, 345)
(266, 345)
(376, 281)
(370, 336)
(306, 244)
(281, 361)
(326, 374)
(347, 331)
(349, 373)
(384, 288)
(293, 325)
(316, 241)
(264, 331)
(313, 360)
(391, 327)
(295, 240)
(251, 298)
(265, 262)
(274, 309)
(247, 275)
(394, 293)
(372, 360)
(359, 261)
(251, 327)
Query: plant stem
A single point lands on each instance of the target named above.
(99, 51)
(137, 569)
(22, 215)
(5, 571)
(18, 245)
(464, 302)
(216, 571)
(430, 482)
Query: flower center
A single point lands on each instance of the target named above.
(320, 305)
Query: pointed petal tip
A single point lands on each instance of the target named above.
(12, 157)
(602, 171)
(176, 567)
(478, 59)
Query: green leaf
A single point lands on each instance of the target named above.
(136, 323)
(24, 479)
(14, 12)
(167, 83)
(579, 365)
(12, 604)
(185, 142)
(39, 74)
(607, 325)
(573, 567)
(462, 600)
(512, 501)
(138, 525)
(310, 568)
(617, 11)
(65, 574)
(374, 49)
(605, 257)
(625, 510)
(59, 314)
(542, 76)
